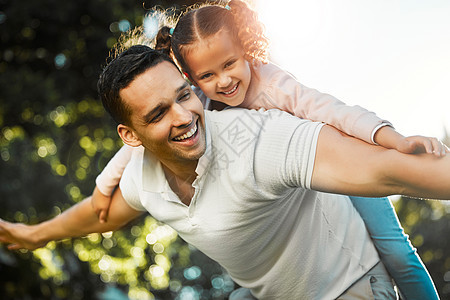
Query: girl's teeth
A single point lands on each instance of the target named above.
(187, 135)
(227, 93)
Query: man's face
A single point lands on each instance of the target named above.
(166, 116)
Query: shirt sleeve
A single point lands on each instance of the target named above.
(291, 96)
(110, 176)
(285, 153)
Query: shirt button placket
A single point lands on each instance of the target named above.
(191, 209)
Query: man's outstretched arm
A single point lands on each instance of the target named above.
(77, 221)
(346, 165)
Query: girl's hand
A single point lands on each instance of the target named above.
(19, 236)
(422, 144)
(100, 204)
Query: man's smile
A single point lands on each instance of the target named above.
(188, 134)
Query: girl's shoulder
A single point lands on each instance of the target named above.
(270, 72)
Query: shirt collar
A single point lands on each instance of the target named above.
(153, 177)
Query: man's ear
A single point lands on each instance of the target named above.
(128, 135)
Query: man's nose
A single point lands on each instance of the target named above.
(181, 115)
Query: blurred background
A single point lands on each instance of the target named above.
(55, 136)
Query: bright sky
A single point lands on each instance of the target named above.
(389, 56)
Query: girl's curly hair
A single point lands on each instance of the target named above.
(250, 31)
(202, 21)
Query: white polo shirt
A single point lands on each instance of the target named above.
(252, 211)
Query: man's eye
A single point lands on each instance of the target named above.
(185, 96)
(156, 118)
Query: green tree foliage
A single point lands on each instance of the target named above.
(55, 138)
(428, 226)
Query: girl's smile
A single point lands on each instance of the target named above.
(218, 67)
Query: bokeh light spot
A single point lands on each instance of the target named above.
(2, 17)
(124, 25)
(151, 238)
(158, 248)
(75, 192)
(61, 170)
(137, 252)
(150, 26)
(108, 234)
(60, 61)
(217, 282)
(156, 271)
(192, 273)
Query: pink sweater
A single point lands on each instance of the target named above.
(272, 87)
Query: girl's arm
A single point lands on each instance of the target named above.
(279, 89)
(108, 180)
(391, 139)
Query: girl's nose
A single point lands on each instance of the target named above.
(224, 81)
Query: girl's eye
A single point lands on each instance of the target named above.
(205, 76)
(229, 64)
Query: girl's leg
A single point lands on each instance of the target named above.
(395, 249)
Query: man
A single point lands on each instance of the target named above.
(236, 184)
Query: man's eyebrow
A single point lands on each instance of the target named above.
(183, 86)
(148, 115)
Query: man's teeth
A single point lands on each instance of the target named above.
(231, 91)
(187, 134)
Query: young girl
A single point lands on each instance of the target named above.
(223, 52)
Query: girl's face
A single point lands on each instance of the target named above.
(219, 69)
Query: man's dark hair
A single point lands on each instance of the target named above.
(120, 72)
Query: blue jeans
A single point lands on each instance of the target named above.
(395, 250)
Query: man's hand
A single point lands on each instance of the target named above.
(19, 236)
